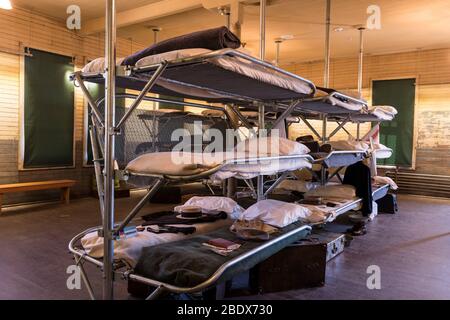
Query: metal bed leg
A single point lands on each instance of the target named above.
(87, 283)
(98, 171)
(139, 206)
(159, 291)
(277, 182)
(285, 114)
(110, 91)
(310, 127)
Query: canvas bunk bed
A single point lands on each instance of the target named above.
(223, 76)
(226, 76)
(334, 106)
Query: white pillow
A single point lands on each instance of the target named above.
(276, 213)
(271, 146)
(215, 204)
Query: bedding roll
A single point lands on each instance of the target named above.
(212, 39)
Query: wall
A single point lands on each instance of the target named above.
(432, 69)
(21, 28)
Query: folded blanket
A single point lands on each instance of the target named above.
(213, 39)
(385, 180)
(343, 145)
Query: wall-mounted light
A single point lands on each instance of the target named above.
(5, 4)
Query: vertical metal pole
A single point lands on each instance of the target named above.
(262, 29)
(277, 53)
(155, 34)
(324, 129)
(108, 219)
(361, 57)
(262, 55)
(228, 21)
(326, 80)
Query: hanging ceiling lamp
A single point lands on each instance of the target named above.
(5, 4)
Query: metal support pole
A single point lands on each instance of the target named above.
(361, 57)
(309, 125)
(140, 205)
(110, 88)
(262, 29)
(261, 115)
(155, 30)
(324, 129)
(277, 53)
(326, 81)
(339, 127)
(144, 91)
(285, 114)
(98, 170)
(88, 96)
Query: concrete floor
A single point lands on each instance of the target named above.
(411, 249)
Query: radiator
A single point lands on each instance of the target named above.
(421, 184)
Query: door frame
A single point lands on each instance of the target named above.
(415, 122)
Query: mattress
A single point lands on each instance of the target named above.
(188, 264)
(228, 164)
(129, 249)
(230, 63)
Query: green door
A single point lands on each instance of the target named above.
(399, 133)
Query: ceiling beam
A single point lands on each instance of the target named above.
(141, 14)
(158, 10)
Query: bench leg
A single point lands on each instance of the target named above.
(65, 195)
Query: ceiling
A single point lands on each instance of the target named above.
(406, 25)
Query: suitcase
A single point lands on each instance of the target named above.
(388, 204)
(301, 265)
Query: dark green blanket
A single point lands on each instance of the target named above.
(187, 263)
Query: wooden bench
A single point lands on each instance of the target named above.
(64, 185)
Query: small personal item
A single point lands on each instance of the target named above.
(128, 232)
(222, 246)
(312, 200)
(171, 229)
(191, 212)
(252, 230)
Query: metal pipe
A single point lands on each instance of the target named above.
(87, 283)
(277, 52)
(324, 129)
(139, 206)
(313, 130)
(277, 182)
(155, 34)
(262, 29)
(88, 96)
(144, 91)
(110, 91)
(339, 127)
(98, 170)
(361, 57)
(285, 114)
(326, 81)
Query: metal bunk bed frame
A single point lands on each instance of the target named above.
(108, 128)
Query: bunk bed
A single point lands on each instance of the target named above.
(229, 77)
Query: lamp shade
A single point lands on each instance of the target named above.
(5, 4)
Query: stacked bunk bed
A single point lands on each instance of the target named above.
(168, 251)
